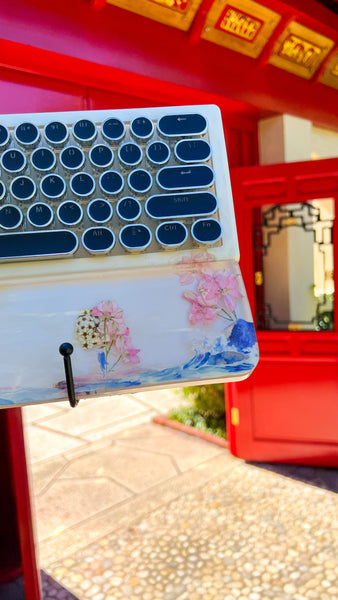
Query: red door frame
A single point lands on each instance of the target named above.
(285, 353)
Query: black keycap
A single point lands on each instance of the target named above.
(98, 239)
(43, 159)
(101, 156)
(191, 204)
(27, 134)
(171, 234)
(4, 136)
(13, 161)
(23, 188)
(70, 213)
(130, 154)
(185, 124)
(100, 210)
(142, 128)
(82, 185)
(40, 214)
(129, 209)
(72, 158)
(56, 134)
(135, 237)
(84, 131)
(53, 187)
(37, 243)
(158, 153)
(140, 181)
(111, 183)
(2, 191)
(193, 150)
(188, 177)
(10, 216)
(113, 130)
(206, 231)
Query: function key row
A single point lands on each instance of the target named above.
(113, 130)
(96, 240)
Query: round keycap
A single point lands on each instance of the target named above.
(43, 159)
(100, 211)
(56, 134)
(70, 213)
(23, 188)
(130, 154)
(101, 156)
(171, 234)
(84, 131)
(158, 153)
(140, 181)
(2, 191)
(206, 231)
(190, 151)
(111, 183)
(129, 209)
(53, 187)
(27, 134)
(82, 185)
(135, 237)
(142, 128)
(72, 158)
(4, 136)
(113, 130)
(13, 161)
(98, 239)
(40, 215)
(10, 216)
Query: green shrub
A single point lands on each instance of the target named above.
(207, 409)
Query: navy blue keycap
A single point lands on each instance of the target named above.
(171, 234)
(192, 150)
(100, 210)
(98, 239)
(2, 191)
(189, 177)
(191, 204)
(113, 130)
(72, 158)
(40, 214)
(27, 134)
(13, 161)
(206, 231)
(135, 237)
(84, 131)
(158, 153)
(53, 187)
(43, 159)
(23, 188)
(10, 216)
(142, 128)
(129, 209)
(4, 136)
(130, 154)
(101, 156)
(111, 183)
(185, 124)
(140, 181)
(56, 133)
(70, 213)
(82, 185)
(37, 243)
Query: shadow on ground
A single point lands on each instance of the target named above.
(327, 479)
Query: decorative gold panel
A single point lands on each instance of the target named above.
(330, 75)
(177, 13)
(300, 50)
(241, 25)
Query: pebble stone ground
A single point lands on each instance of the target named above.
(160, 515)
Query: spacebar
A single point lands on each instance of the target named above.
(37, 244)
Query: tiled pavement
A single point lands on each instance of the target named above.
(129, 510)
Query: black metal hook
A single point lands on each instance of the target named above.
(66, 350)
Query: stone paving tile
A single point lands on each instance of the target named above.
(161, 400)
(45, 473)
(252, 535)
(36, 412)
(43, 443)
